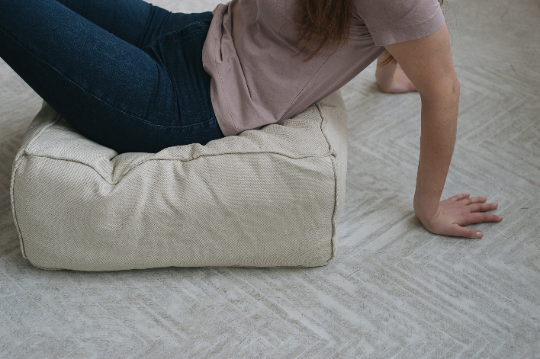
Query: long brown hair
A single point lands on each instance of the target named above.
(326, 22)
(323, 21)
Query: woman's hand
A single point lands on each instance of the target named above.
(456, 212)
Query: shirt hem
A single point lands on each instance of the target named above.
(227, 128)
(381, 37)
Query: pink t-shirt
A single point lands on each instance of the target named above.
(256, 79)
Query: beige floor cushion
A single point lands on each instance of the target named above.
(269, 197)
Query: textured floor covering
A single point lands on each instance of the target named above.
(393, 290)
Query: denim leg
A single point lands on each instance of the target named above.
(173, 40)
(109, 90)
(134, 21)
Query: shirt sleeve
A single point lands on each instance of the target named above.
(393, 21)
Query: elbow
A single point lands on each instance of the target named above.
(447, 91)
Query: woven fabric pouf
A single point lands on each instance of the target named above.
(268, 197)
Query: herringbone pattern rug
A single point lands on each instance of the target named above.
(393, 290)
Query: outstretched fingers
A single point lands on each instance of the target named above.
(479, 217)
(482, 207)
(477, 200)
(459, 197)
(459, 231)
(459, 211)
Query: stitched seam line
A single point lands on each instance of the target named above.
(24, 153)
(178, 159)
(147, 25)
(12, 194)
(386, 26)
(332, 160)
(164, 38)
(169, 34)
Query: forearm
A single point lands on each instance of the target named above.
(427, 62)
(438, 133)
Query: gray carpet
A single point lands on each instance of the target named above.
(393, 290)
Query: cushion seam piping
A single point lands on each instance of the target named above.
(332, 160)
(174, 159)
(12, 187)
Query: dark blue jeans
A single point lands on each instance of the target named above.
(124, 73)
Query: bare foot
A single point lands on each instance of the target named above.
(401, 82)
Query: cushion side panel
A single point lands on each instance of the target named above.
(257, 210)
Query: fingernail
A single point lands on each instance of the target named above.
(478, 234)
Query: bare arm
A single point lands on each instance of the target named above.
(428, 64)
